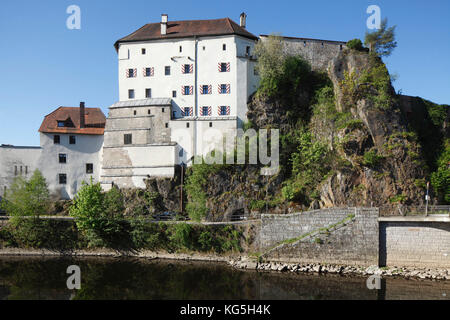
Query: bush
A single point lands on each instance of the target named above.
(196, 181)
(440, 179)
(355, 44)
(33, 232)
(99, 218)
(371, 159)
(27, 198)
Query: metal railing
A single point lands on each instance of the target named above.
(402, 210)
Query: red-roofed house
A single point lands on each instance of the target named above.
(71, 142)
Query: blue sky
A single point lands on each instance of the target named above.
(45, 65)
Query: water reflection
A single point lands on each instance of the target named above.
(38, 278)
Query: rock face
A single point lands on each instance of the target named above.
(377, 159)
(384, 132)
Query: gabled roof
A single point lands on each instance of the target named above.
(94, 121)
(187, 29)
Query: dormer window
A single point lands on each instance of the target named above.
(65, 123)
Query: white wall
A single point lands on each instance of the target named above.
(22, 159)
(86, 150)
(161, 53)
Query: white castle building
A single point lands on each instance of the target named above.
(182, 86)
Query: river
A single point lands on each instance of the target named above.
(132, 278)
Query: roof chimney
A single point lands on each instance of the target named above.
(243, 19)
(164, 20)
(82, 115)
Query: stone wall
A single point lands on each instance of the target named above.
(415, 243)
(354, 242)
(317, 52)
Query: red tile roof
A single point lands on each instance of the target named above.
(186, 29)
(94, 121)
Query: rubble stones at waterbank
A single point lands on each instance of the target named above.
(405, 272)
(246, 263)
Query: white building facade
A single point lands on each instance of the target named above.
(183, 85)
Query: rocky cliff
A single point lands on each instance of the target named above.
(347, 139)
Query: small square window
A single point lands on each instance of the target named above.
(223, 67)
(148, 93)
(144, 51)
(62, 178)
(61, 124)
(223, 88)
(224, 110)
(56, 139)
(149, 111)
(72, 140)
(149, 72)
(187, 68)
(163, 110)
(204, 48)
(167, 125)
(131, 73)
(187, 125)
(62, 158)
(134, 112)
(210, 124)
(205, 111)
(127, 139)
(174, 94)
(131, 94)
(205, 89)
(167, 70)
(89, 168)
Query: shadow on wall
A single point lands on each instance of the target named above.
(382, 252)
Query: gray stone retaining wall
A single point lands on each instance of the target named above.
(353, 243)
(416, 243)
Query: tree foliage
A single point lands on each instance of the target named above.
(440, 179)
(381, 41)
(355, 44)
(27, 198)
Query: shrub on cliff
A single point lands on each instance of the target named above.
(440, 179)
(355, 44)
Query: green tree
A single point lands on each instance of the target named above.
(270, 64)
(100, 219)
(27, 198)
(355, 44)
(440, 179)
(381, 41)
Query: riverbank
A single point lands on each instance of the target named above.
(245, 263)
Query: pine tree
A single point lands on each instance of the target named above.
(381, 41)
